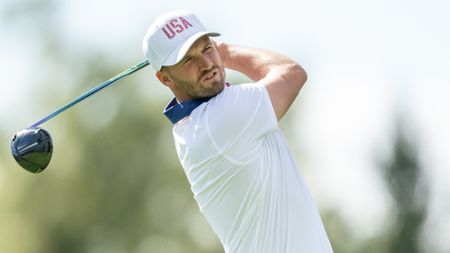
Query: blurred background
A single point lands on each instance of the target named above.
(370, 130)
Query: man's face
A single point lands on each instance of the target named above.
(199, 74)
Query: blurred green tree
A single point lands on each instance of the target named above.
(408, 185)
(406, 181)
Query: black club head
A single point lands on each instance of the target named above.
(32, 148)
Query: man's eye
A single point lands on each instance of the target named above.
(207, 48)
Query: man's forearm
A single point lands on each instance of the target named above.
(258, 63)
(282, 76)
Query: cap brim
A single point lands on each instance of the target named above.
(178, 54)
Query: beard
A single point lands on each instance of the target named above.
(203, 87)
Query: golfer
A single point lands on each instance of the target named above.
(242, 173)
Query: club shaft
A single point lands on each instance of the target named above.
(93, 91)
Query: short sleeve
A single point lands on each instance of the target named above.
(239, 118)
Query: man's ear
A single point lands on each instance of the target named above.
(164, 78)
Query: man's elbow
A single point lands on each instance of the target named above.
(298, 76)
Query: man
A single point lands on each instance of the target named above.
(241, 171)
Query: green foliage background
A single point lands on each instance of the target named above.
(115, 184)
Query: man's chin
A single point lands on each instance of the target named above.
(212, 91)
(219, 86)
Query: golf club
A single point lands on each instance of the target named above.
(32, 147)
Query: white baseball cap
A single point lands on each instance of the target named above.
(170, 36)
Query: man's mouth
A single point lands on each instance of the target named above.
(208, 76)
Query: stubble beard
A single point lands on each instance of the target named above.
(200, 89)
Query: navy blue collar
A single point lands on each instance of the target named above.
(176, 111)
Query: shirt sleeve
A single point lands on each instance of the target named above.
(238, 120)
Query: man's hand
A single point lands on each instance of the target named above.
(282, 76)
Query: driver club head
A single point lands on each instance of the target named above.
(32, 148)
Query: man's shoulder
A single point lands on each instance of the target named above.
(236, 106)
(239, 91)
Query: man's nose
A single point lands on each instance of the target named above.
(205, 63)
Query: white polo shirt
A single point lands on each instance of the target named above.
(244, 178)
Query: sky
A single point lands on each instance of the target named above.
(367, 62)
